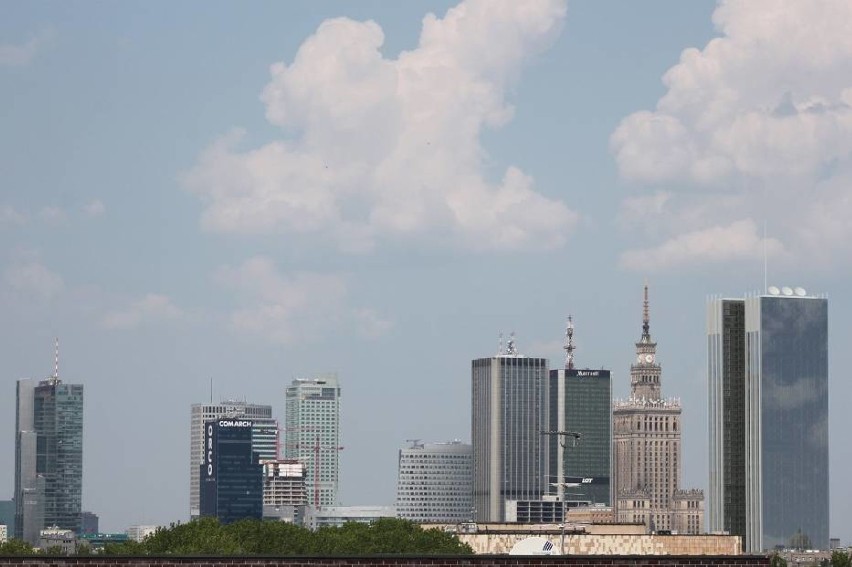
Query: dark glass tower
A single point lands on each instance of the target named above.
(48, 456)
(509, 394)
(581, 402)
(726, 384)
(769, 403)
(231, 475)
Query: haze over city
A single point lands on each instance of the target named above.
(241, 194)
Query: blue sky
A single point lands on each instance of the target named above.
(251, 193)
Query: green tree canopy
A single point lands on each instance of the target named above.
(840, 558)
(206, 536)
(16, 547)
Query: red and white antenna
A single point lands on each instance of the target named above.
(55, 376)
(569, 344)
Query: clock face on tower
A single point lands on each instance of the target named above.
(649, 358)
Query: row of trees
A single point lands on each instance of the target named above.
(206, 536)
(839, 558)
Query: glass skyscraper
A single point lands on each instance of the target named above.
(48, 457)
(783, 473)
(264, 436)
(231, 474)
(581, 402)
(312, 434)
(509, 395)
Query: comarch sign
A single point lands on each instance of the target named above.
(235, 423)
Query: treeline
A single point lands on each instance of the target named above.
(206, 536)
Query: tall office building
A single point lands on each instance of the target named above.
(768, 412)
(581, 408)
(312, 434)
(647, 449)
(435, 482)
(509, 396)
(264, 437)
(231, 473)
(48, 456)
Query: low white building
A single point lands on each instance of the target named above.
(338, 515)
(4, 533)
(138, 533)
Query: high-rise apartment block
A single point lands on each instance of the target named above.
(647, 449)
(48, 456)
(264, 436)
(509, 395)
(230, 473)
(435, 482)
(768, 412)
(580, 422)
(312, 434)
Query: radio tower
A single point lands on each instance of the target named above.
(569, 344)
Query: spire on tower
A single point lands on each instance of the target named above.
(55, 376)
(569, 344)
(646, 317)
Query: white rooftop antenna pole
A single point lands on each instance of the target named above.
(56, 358)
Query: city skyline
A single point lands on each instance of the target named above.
(185, 199)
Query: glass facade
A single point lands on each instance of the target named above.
(49, 457)
(509, 395)
(787, 421)
(726, 395)
(581, 401)
(231, 474)
(264, 436)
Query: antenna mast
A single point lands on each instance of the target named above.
(511, 349)
(55, 377)
(569, 344)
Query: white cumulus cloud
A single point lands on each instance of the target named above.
(292, 308)
(28, 276)
(381, 147)
(94, 208)
(152, 307)
(761, 115)
(20, 54)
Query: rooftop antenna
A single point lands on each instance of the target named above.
(500, 344)
(55, 376)
(211, 390)
(765, 260)
(511, 349)
(569, 344)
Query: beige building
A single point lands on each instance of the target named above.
(576, 538)
(646, 436)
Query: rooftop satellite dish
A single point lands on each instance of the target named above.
(800, 291)
(786, 290)
(536, 545)
(774, 290)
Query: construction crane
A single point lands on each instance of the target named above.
(316, 448)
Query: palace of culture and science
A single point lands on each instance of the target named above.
(647, 450)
